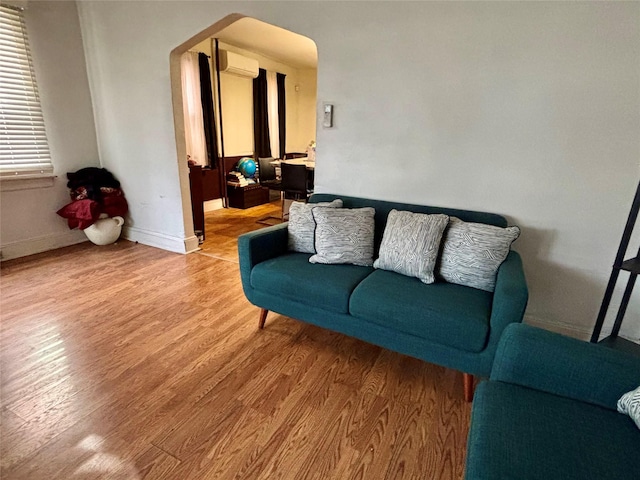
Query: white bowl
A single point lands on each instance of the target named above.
(105, 231)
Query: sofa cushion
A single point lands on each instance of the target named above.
(383, 208)
(473, 252)
(291, 276)
(629, 404)
(521, 433)
(410, 244)
(344, 235)
(302, 226)
(444, 313)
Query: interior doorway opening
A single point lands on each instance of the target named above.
(233, 50)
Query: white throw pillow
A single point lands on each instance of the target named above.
(629, 404)
(410, 244)
(344, 235)
(302, 226)
(473, 252)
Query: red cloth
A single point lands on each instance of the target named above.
(114, 206)
(83, 212)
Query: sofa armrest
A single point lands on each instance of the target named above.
(510, 296)
(258, 246)
(546, 361)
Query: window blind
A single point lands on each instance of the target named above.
(24, 151)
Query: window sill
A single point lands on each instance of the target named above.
(11, 184)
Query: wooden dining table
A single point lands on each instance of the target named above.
(311, 165)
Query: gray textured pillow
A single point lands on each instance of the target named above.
(302, 226)
(410, 244)
(344, 235)
(629, 404)
(473, 252)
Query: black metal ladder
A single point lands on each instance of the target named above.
(632, 266)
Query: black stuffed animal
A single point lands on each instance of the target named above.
(92, 179)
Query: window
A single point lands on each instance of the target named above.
(24, 151)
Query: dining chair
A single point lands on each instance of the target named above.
(267, 174)
(294, 183)
(267, 178)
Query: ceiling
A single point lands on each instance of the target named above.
(271, 41)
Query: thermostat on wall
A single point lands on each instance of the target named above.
(327, 121)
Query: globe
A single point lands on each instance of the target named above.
(247, 167)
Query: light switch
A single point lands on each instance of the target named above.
(327, 121)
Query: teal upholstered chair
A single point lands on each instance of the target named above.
(549, 411)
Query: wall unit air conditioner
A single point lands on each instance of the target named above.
(235, 64)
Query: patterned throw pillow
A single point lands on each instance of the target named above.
(473, 252)
(410, 244)
(344, 235)
(302, 226)
(629, 404)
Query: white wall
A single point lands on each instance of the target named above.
(525, 109)
(237, 103)
(237, 114)
(28, 220)
(307, 98)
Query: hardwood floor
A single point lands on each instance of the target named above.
(224, 226)
(129, 362)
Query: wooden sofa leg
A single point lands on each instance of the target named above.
(468, 386)
(263, 317)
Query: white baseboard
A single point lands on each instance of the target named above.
(212, 205)
(570, 330)
(32, 246)
(160, 240)
(191, 244)
(558, 327)
(9, 251)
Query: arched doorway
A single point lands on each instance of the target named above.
(274, 49)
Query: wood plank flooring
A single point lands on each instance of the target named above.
(224, 226)
(129, 362)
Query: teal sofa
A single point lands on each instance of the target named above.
(549, 411)
(450, 325)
